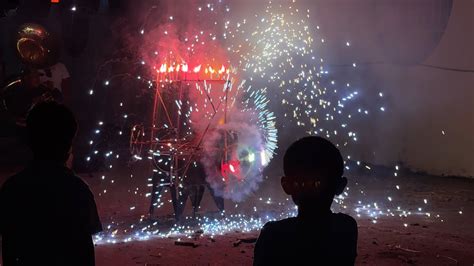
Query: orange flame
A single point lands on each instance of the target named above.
(184, 68)
(222, 70)
(163, 68)
(197, 69)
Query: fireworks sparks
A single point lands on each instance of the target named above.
(271, 71)
(257, 102)
(280, 52)
(279, 43)
(175, 68)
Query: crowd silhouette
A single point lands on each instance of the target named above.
(49, 214)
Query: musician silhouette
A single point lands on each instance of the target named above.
(21, 95)
(48, 215)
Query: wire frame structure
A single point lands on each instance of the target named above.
(169, 141)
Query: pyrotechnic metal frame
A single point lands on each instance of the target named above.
(183, 148)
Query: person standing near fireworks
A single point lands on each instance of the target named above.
(48, 215)
(313, 170)
(56, 77)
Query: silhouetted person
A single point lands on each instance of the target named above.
(48, 215)
(313, 170)
(20, 97)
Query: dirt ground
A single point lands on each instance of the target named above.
(440, 233)
(378, 245)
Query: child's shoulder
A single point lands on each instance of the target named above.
(341, 220)
(15, 181)
(281, 225)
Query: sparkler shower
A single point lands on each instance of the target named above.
(201, 130)
(223, 91)
(198, 89)
(189, 55)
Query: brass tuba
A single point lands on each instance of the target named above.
(36, 49)
(34, 45)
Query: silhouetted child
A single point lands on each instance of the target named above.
(313, 170)
(48, 215)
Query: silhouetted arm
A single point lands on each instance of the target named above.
(262, 251)
(90, 224)
(350, 248)
(354, 240)
(93, 220)
(87, 211)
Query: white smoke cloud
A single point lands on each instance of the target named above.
(244, 158)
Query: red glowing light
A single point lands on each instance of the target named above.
(170, 72)
(231, 168)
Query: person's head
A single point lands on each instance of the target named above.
(51, 128)
(30, 78)
(313, 169)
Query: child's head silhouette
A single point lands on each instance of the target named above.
(313, 169)
(51, 128)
